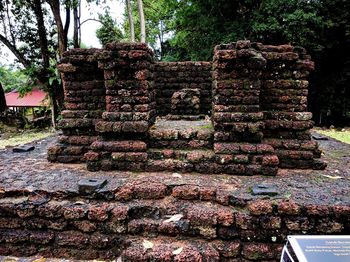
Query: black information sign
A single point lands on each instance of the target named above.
(318, 248)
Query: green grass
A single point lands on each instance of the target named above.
(24, 138)
(343, 136)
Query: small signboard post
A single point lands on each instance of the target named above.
(316, 249)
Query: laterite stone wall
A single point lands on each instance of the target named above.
(84, 93)
(255, 94)
(171, 77)
(213, 224)
(284, 90)
(130, 109)
(237, 115)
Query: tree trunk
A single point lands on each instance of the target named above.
(131, 21)
(76, 28)
(3, 105)
(62, 37)
(67, 24)
(45, 56)
(142, 21)
(42, 34)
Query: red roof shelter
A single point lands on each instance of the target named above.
(35, 98)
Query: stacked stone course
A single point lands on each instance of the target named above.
(172, 77)
(130, 108)
(84, 93)
(212, 226)
(185, 102)
(237, 116)
(284, 90)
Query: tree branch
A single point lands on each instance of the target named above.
(91, 19)
(13, 40)
(15, 51)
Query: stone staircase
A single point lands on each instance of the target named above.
(192, 224)
(181, 146)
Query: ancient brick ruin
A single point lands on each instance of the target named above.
(217, 224)
(245, 113)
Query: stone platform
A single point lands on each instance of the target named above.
(166, 216)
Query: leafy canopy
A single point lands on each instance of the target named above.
(109, 30)
(12, 79)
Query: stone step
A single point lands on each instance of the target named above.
(184, 117)
(316, 164)
(165, 249)
(181, 143)
(193, 156)
(169, 229)
(152, 249)
(171, 165)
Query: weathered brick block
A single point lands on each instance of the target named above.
(289, 208)
(260, 207)
(259, 251)
(186, 192)
(99, 212)
(72, 238)
(120, 146)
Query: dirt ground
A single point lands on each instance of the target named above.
(28, 172)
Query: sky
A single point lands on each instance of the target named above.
(116, 9)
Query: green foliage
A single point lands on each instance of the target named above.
(19, 27)
(294, 21)
(12, 79)
(109, 31)
(23, 32)
(198, 25)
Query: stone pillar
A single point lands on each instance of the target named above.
(130, 108)
(284, 93)
(237, 116)
(84, 96)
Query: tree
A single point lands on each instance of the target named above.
(194, 27)
(12, 79)
(142, 21)
(109, 30)
(159, 14)
(131, 21)
(62, 31)
(43, 76)
(76, 24)
(28, 32)
(297, 22)
(15, 31)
